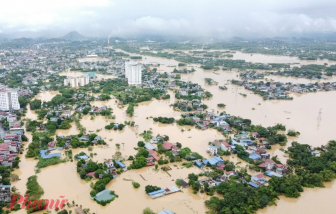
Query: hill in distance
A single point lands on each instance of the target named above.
(73, 36)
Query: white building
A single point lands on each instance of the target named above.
(77, 81)
(212, 150)
(9, 100)
(133, 72)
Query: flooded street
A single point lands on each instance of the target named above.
(301, 114)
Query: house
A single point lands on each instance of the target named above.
(269, 164)
(255, 135)
(103, 195)
(259, 179)
(90, 174)
(225, 146)
(254, 156)
(83, 157)
(150, 161)
(265, 143)
(249, 142)
(281, 169)
(220, 166)
(122, 165)
(156, 194)
(235, 143)
(96, 139)
(270, 173)
(153, 154)
(212, 150)
(184, 184)
(111, 168)
(175, 151)
(229, 174)
(84, 138)
(168, 146)
(149, 146)
(253, 184)
(198, 163)
(213, 161)
(51, 144)
(170, 190)
(45, 153)
(5, 193)
(211, 182)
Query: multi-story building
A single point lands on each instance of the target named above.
(9, 100)
(77, 81)
(133, 72)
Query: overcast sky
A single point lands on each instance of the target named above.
(127, 18)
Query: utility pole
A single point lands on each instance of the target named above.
(319, 117)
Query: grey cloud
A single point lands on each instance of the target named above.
(222, 18)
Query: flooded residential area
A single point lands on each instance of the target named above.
(158, 116)
(311, 119)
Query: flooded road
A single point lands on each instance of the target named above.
(312, 114)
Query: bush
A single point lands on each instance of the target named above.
(135, 185)
(292, 133)
(150, 188)
(93, 193)
(221, 105)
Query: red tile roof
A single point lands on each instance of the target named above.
(259, 176)
(168, 146)
(154, 154)
(263, 165)
(150, 163)
(226, 144)
(90, 174)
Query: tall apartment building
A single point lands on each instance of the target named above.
(133, 71)
(77, 81)
(9, 100)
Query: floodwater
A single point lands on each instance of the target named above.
(46, 96)
(311, 114)
(264, 58)
(79, 73)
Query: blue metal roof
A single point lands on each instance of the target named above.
(44, 155)
(104, 195)
(254, 156)
(255, 178)
(271, 173)
(120, 164)
(149, 146)
(157, 192)
(253, 184)
(198, 163)
(213, 161)
(166, 212)
(83, 157)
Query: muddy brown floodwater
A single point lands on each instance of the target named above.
(300, 114)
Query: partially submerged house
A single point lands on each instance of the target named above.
(103, 195)
(213, 161)
(111, 168)
(46, 153)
